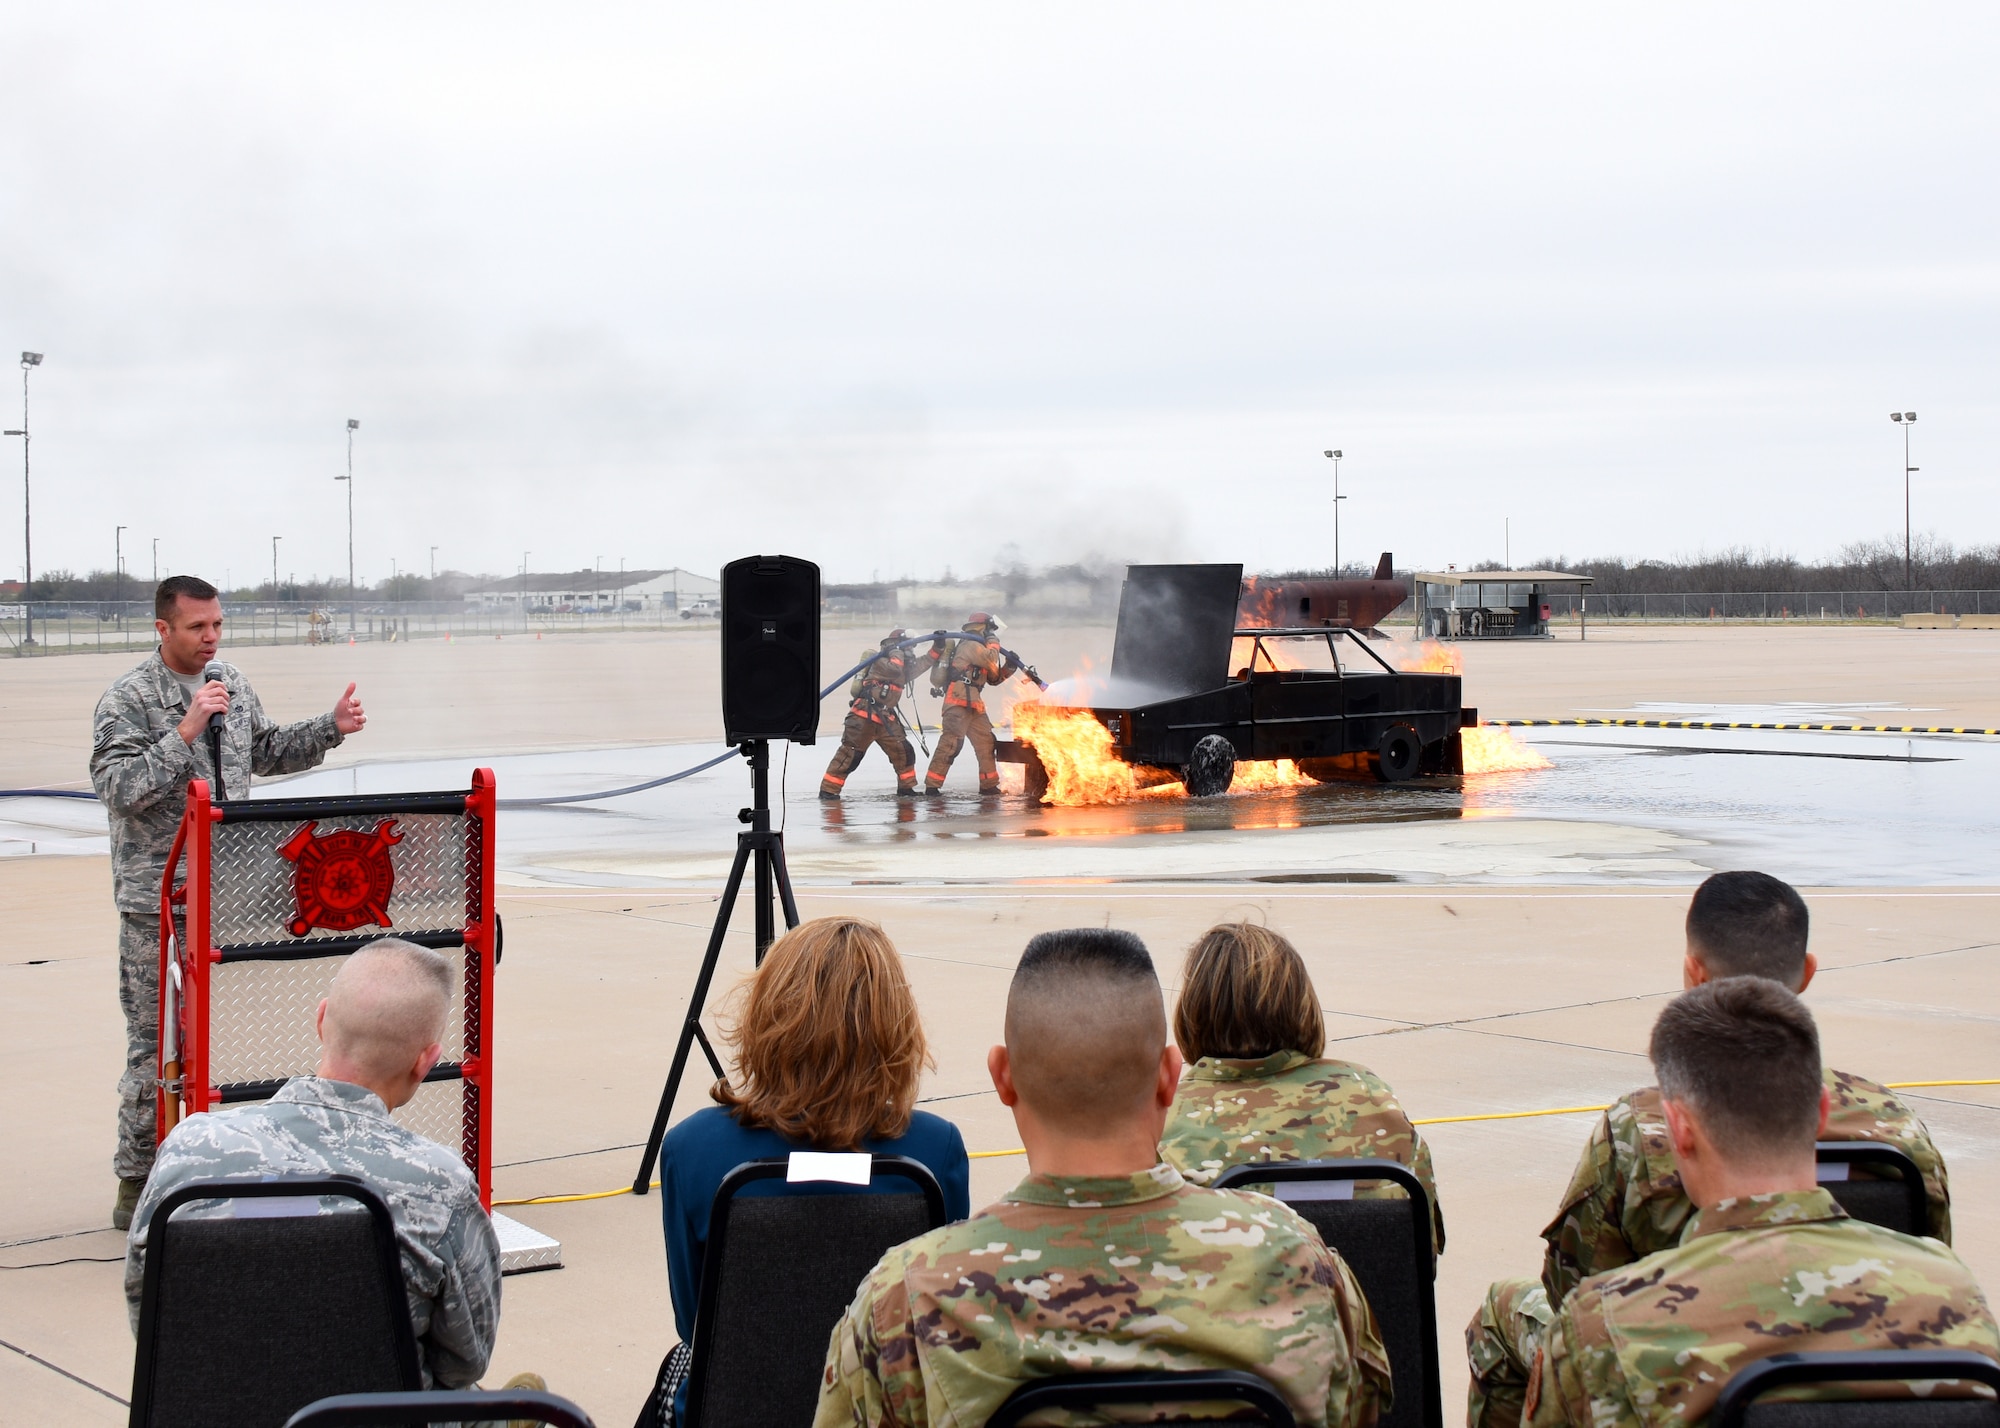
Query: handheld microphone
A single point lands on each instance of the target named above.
(212, 674)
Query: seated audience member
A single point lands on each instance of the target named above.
(1625, 1199)
(1104, 1257)
(1769, 1263)
(828, 1051)
(379, 1028)
(1256, 1088)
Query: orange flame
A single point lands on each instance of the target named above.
(1261, 777)
(1430, 657)
(1075, 749)
(1491, 748)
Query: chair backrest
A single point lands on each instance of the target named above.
(244, 1317)
(372, 1410)
(1889, 1191)
(1387, 1243)
(1739, 1405)
(778, 1273)
(1085, 1391)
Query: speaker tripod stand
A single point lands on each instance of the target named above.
(763, 849)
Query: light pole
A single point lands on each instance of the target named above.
(118, 573)
(524, 588)
(352, 427)
(596, 582)
(1337, 499)
(621, 592)
(156, 562)
(274, 568)
(1906, 420)
(28, 360)
(434, 564)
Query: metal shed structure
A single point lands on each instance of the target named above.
(1490, 604)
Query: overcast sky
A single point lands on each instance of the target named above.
(898, 288)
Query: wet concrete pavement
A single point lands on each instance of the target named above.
(1618, 805)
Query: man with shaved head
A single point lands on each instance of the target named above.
(381, 1029)
(1104, 1257)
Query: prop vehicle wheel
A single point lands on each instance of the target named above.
(1035, 780)
(1212, 768)
(1398, 753)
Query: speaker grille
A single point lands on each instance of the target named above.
(770, 649)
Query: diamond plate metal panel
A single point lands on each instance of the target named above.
(437, 1113)
(262, 1015)
(253, 881)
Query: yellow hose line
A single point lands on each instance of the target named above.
(1508, 1115)
(1428, 1121)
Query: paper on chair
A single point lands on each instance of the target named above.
(848, 1167)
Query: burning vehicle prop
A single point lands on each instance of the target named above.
(1193, 694)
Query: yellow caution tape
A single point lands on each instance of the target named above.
(1739, 724)
(1428, 1121)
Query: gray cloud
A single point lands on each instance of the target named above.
(895, 287)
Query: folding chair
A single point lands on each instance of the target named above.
(1740, 1405)
(376, 1410)
(1085, 1391)
(779, 1272)
(1890, 1191)
(243, 1317)
(1387, 1243)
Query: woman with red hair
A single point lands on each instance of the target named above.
(828, 1053)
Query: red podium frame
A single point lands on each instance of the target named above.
(191, 964)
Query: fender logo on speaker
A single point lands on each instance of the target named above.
(343, 879)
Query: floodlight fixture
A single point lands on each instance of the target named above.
(31, 359)
(1909, 416)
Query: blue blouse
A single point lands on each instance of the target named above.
(709, 1144)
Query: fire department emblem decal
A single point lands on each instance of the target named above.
(342, 879)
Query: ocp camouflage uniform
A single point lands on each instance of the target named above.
(141, 769)
(314, 1127)
(1625, 1202)
(874, 718)
(1652, 1344)
(1072, 1274)
(1288, 1106)
(974, 665)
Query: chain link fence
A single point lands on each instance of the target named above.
(1820, 606)
(86, 625)
(59, 627)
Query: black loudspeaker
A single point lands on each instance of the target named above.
(770, 649)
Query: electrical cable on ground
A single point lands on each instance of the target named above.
(1427, 1121)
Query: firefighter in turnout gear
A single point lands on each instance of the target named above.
(875, 717)
(974, 665)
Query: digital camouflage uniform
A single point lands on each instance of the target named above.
(1625, 1202)
(1652, 1344)
(874, 718)
(141, 767)
(1074, 1274)
(1288, 1106)
(975, 664)
(314, 1127)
